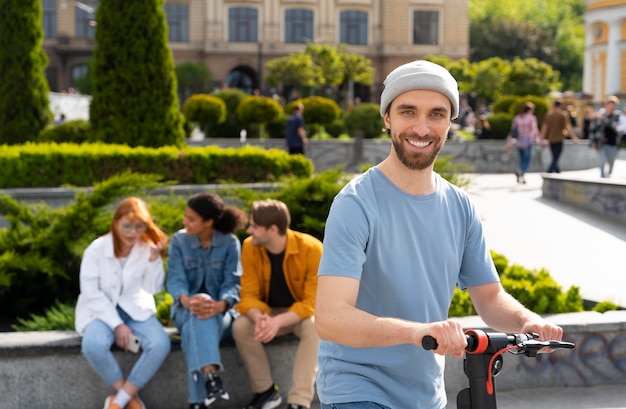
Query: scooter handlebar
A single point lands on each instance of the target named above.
(478, 342)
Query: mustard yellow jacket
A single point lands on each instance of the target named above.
(302, 258)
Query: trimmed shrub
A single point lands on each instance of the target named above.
(317, 110)
(52, 165)
(260, 111)
(205, 110)
(336, 128)
(232, 126)
(500, 125)
(365, 118)
(76, 131)
(503, 104)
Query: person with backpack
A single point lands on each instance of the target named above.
(607, 136)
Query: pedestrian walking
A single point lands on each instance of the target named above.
(555, 129)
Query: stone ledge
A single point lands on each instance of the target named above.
(46, 370)
(604, 197)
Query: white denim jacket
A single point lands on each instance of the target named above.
(104, 284)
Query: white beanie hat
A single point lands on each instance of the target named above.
(419, 74)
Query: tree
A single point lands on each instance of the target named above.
(356, 69)
(297, 70)
(24, 104)
(550, 31)
(489, 78)
(330, 63)
(193, 78)
(531, 77)
(134, 84)
(318, 67)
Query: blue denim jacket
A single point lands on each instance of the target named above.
(188, 263)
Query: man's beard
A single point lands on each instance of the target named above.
(414, 161)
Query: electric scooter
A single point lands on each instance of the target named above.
(483, 361)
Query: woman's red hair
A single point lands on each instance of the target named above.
(136, 209)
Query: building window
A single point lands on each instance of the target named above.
(353, 27)
(243, 24)
(50, 18)
(79, 71)
(85, 19)
(298, 26)
(425, 27)
(177, 22)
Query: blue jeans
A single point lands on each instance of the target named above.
(98, 339)
(354, 405)
(525, 156)
(200, 342)
(556, 149)
(608, 153)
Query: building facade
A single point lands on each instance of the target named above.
(605, 49)
(236, 38)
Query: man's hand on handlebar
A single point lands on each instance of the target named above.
(546, 331)
(451, 339)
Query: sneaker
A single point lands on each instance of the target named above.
(108, 403)
(270, 399)
(200, 405)
(135, 403)
(214, 389)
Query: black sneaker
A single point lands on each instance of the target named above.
(270, 399)
(214, 389)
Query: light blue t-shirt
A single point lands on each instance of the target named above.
(408, 252)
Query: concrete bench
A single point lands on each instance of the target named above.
(46, 369)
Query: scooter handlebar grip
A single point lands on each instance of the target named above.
(429, 343)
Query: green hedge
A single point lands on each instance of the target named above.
(53, 165)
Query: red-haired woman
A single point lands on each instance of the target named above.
(119, 274)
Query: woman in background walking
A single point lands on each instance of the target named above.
(524, 133)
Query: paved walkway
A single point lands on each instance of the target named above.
(575, 246)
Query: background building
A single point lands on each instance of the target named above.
(605, 49)
(235, 38)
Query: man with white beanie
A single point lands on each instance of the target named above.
(398, 239)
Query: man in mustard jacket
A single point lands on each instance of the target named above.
(278, 288)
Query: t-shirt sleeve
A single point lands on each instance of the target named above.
(345, 238)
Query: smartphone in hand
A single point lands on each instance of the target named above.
(134, 343)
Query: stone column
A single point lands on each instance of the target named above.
(613, 63)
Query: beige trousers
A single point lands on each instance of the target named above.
(257, 364)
